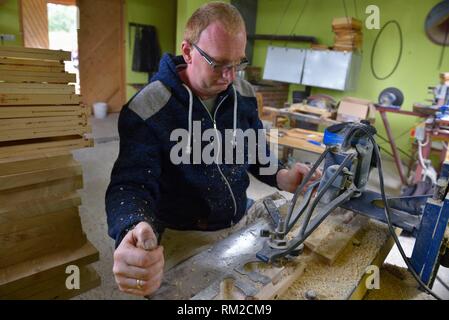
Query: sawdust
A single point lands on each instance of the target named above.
(396, 283)
(339, 280)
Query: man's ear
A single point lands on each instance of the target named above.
(186, 51)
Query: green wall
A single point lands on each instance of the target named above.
(9, 21)
(418, 67)
(161, 14)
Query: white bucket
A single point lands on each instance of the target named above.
(100, 110)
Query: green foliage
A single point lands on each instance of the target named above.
(61, 17)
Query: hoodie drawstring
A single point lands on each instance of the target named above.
(189, 140)
(235, 117)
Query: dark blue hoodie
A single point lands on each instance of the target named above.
(145, 184)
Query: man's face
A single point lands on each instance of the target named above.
(224, 49)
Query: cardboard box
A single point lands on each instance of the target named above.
(355, 109)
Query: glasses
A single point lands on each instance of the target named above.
(220, 68)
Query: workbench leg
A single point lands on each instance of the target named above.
(394, 149)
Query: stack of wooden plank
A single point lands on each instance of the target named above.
(348, 34)
(39, 110)
(41, 120)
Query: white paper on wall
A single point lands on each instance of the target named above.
(284, 64)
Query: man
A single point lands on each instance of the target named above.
(148, 192)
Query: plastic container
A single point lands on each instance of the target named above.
(100, 110)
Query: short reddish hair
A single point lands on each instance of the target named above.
(225, 13)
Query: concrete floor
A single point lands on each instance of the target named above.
(97, 163)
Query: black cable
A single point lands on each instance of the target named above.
(388, 217)
(374, 49)
(303, 183)
(409, 156)
(299, 16)
(346, 9)
(355, 9)
(282, 18)
(444, 46)
(442, 283)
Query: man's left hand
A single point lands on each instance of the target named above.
(289, 180)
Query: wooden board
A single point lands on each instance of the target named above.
(38, 99)
(33, 163)
(42, 111)
(55, 289)
(30, 76)
(51, 218)
(11, 213)
(32, 53)
(303, 108)
(13, 67)
(281, 282)
(20, 276)
(63, 232)
(35, 88)
(34, 133)
(41, 190)
(44, 145)
(346, 23)
(333, 235)
(15, 180)
(42, 122)
(361, 290)
(296, 141)
(32, 63)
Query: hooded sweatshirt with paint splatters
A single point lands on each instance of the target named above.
(145, 184)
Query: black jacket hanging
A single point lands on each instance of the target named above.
(147, 52)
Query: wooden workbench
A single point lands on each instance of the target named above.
(334, 264)
(296, 138)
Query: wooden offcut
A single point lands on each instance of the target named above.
(43, 111)
(42, 122)
(11, 212)
(5, 61)
(18, 76)
(35, 88)
(41, 190)
(38, 146)
(34, 133)
(17, 279)
(303, 108)
(348, 34)
(333, 235)
(14, 67)
(15, 180)
(34, 53)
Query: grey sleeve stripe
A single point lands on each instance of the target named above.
(150, 100)
(244, 88)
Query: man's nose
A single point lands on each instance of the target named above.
(229, 74)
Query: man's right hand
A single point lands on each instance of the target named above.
(139, 262)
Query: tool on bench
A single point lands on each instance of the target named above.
(351, 153)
